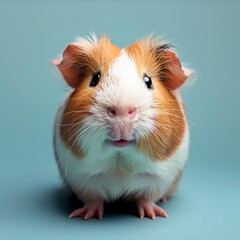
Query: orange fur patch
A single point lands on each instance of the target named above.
(78, 68)
(170, 120)
(169, 127)
(144, 54)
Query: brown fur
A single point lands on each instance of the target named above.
(169, 128)
(77, 109)
(78, 66)
(165, 71)
(144, 55)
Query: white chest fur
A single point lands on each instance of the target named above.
(111, 173)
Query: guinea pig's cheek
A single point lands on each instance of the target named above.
(145, 124)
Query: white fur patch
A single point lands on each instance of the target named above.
(123, 87)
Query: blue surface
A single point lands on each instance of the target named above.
(33, 205)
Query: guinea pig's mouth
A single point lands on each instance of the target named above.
(120, 143)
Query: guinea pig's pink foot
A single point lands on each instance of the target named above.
(150, 209)
(89, 210)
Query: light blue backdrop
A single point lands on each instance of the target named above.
(207, 35)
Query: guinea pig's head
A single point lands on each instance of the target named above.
(121, 97)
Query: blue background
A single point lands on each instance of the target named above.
(32, 203)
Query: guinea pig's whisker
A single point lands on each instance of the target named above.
(140, 132)
(89, 127)
(94, 132)
(78, 134)
(76, 112)
(174, 125)
(72, 136)
(71, 126)
(159, 138)
(75, 141)
(172, 115)
(84, 130)
(172, 109)
(80, 130)
(168, 128)
(170, 131)
(186, 110)
(74, 126)
(90, 130)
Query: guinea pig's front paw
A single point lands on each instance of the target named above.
(89, 210)
(150, 209)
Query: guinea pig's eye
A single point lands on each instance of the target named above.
(95, 79)
(148, 81)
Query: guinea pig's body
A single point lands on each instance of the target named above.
(122, 132)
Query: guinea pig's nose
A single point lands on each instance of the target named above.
(129, 112)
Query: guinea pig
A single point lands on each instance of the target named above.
(122, 132)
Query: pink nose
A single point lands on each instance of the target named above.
(129, 112)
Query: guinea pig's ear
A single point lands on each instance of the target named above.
(173, 75)
(70, 64)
